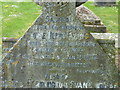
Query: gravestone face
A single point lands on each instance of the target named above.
(76, 4)
(57, 52)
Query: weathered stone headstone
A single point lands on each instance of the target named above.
(76, 4)
(7, 43)
(57, 52)
(91, 22)
(105, 2)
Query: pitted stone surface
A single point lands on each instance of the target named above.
(57, 52)
(111, 36)
(91, 22)
(87, 16)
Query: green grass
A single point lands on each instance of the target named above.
(17, 17)
(108, 15)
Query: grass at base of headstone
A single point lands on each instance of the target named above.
(108, 15)
(17, 17)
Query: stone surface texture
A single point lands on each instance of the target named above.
(58, 52)
(91, 22)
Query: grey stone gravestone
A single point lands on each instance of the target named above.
(105, 2)
(91, 22)
(7, 43)
(76, 4)
(57, 52)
